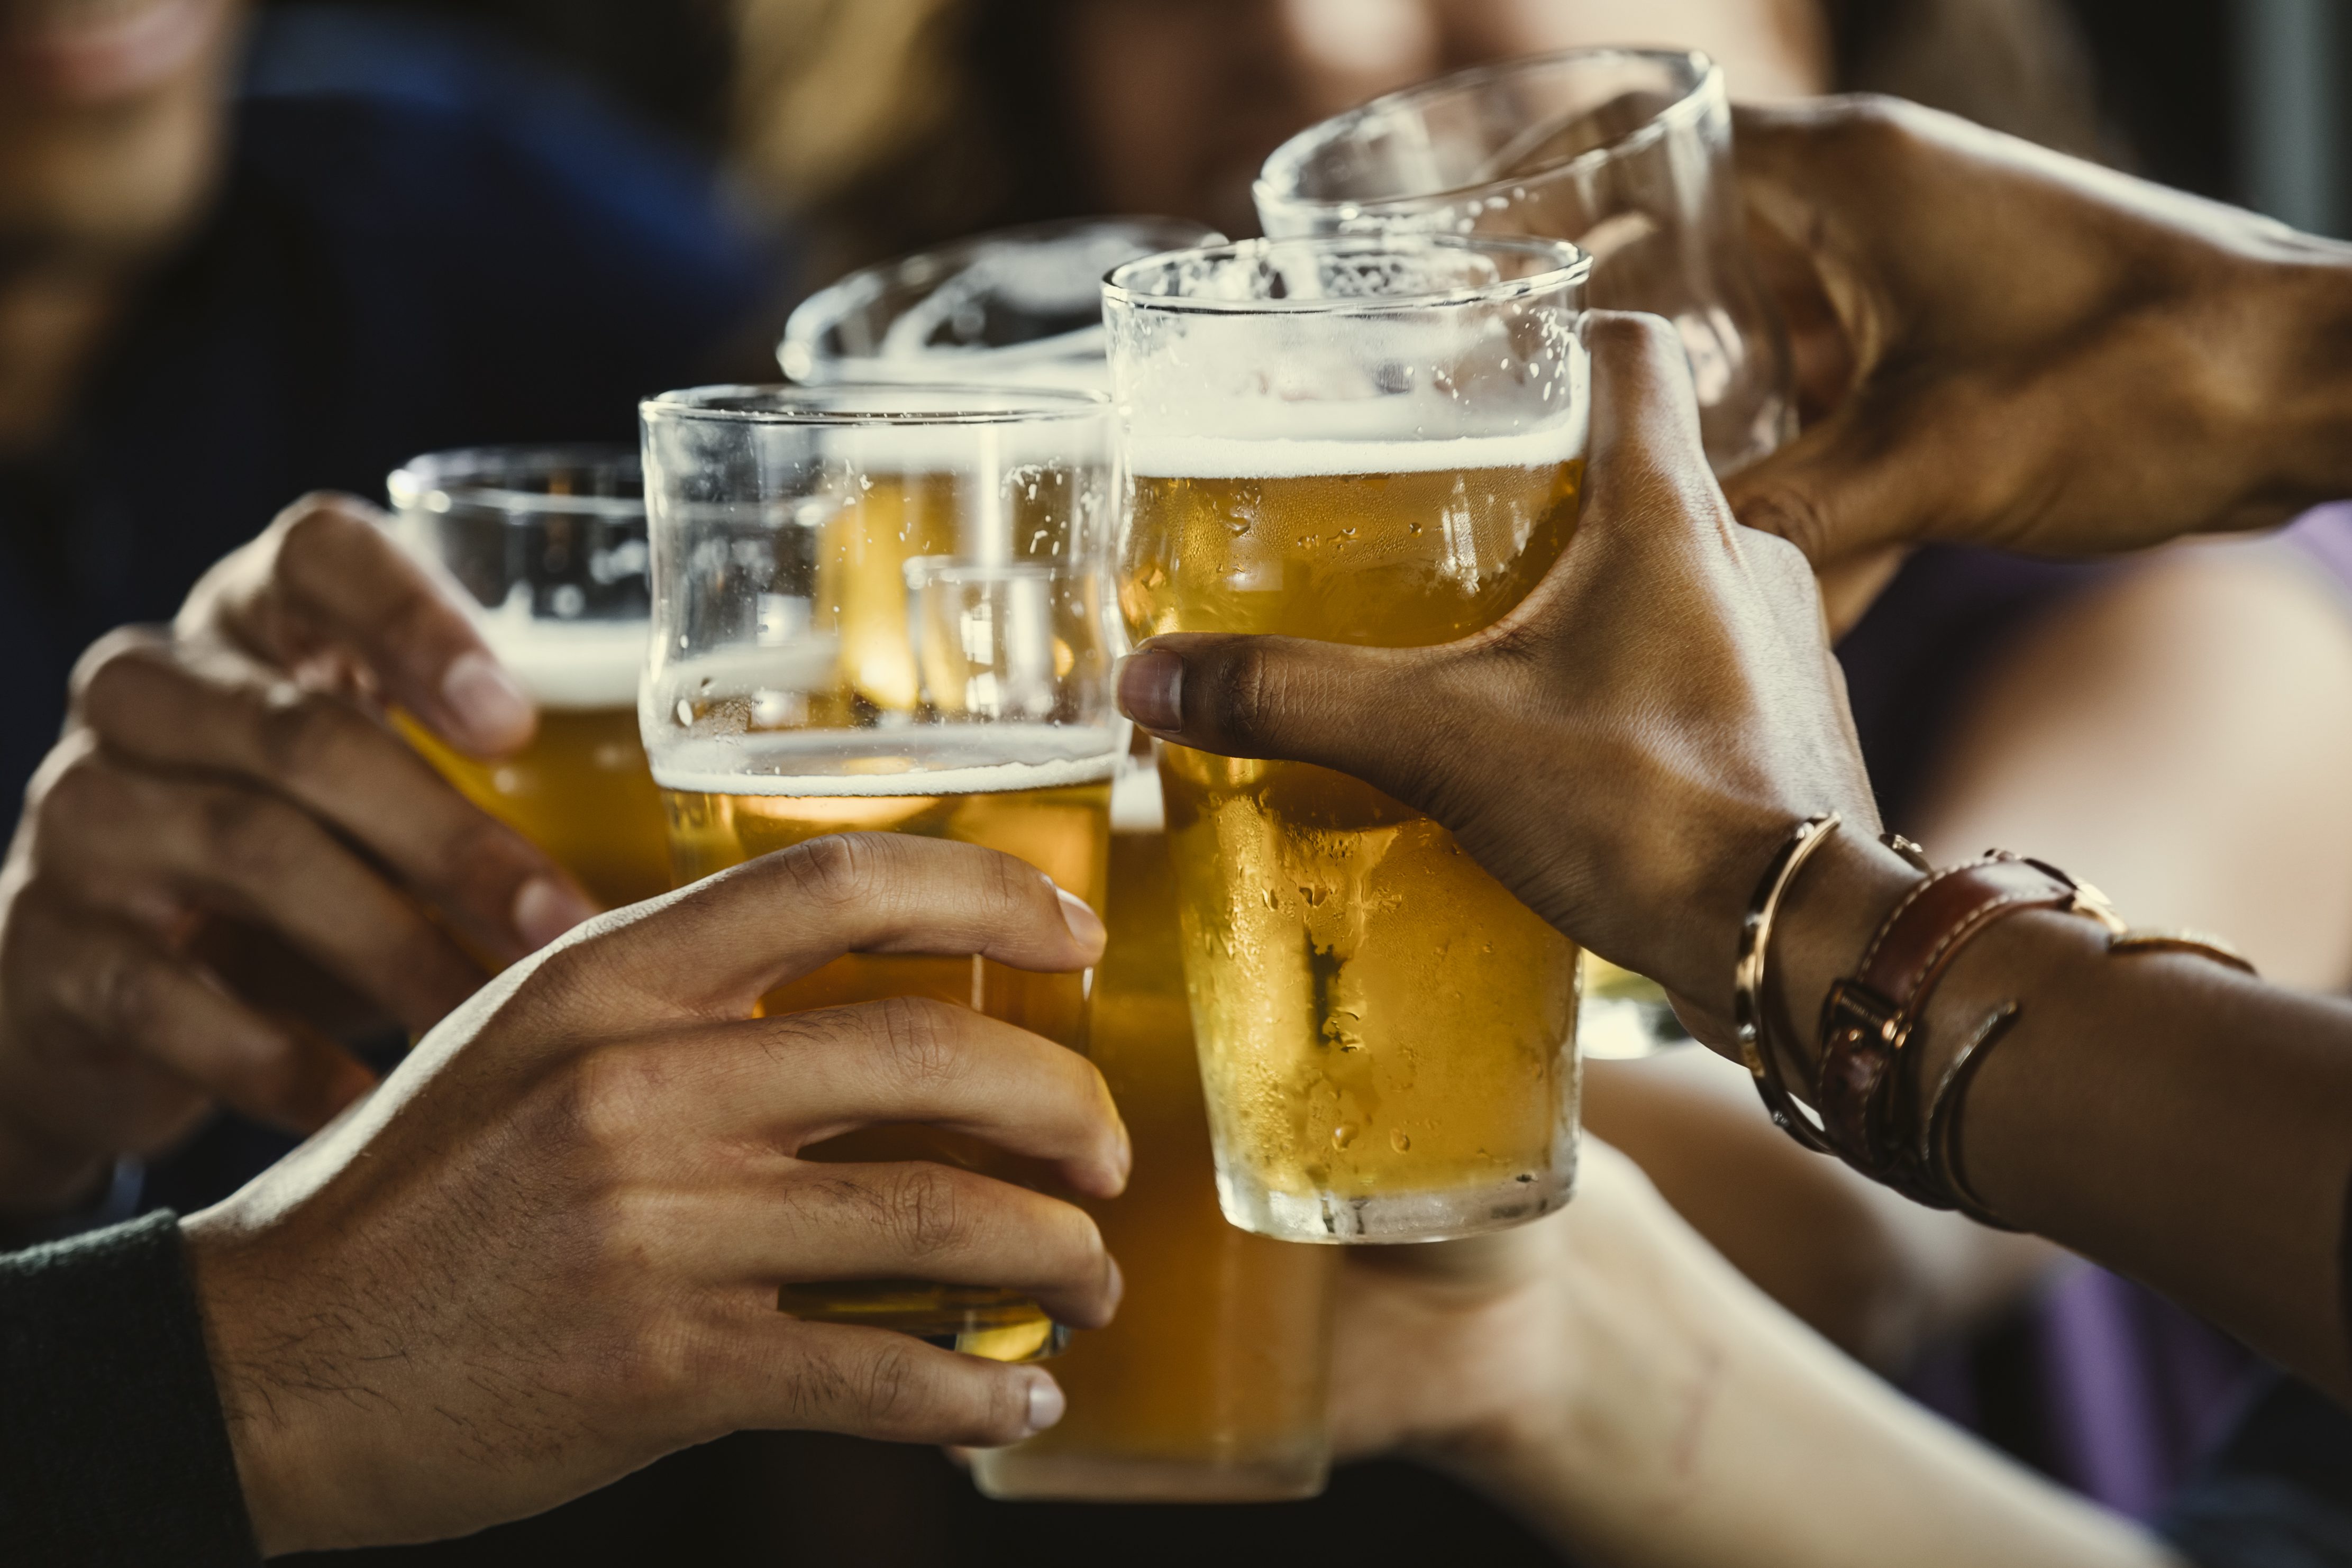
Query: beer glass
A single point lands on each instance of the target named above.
(1016, 306)
(1377, 441)
(1627, 152)
(786, 697)
(1212, 1384)
(548, 544)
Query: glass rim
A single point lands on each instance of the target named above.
(801, 405)
(1707, 75)
(845, 296)
(414, 481)
(1571, 266)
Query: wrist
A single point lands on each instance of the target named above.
(2286, 398)
(261, 1431)
(1826, 921)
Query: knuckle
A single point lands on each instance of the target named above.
(113, 676)
(314, 532)
(926, 1212)
(300, 734)
(1246, 694)
(610, 1093)
(253, 840)
(830, 870)
(923, 1039)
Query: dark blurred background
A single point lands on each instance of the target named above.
(2243, 100)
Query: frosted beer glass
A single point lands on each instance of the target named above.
(887, 608)
(1212, 1384)
(1626, 152)
(1381, 442)
(548, 544)
(1016, 306)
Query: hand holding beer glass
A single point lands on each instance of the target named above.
(1212, 1384)
(1379, 442)
(887, 608)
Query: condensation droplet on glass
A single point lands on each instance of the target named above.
(1343, 1135)
(1399, 1141)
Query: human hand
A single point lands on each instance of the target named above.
(547, 1250)
(1626, 749)
(228, 854)
(1578, 1332)
(2024, 349)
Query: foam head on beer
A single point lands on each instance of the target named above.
(1380, 443)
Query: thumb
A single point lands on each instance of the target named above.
(1373, 712)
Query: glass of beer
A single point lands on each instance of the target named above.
(1627, 152)
(1211, 1386)
(549, 545)
(1016, 307)
(888, 608)
(1377, 441)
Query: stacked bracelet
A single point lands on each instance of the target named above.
(1867, 1083)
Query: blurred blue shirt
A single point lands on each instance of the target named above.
(424, 239)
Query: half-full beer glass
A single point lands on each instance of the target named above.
(793, 689)
(1382, 442)
(1016, 306)
(548, 544)
(1627, 152)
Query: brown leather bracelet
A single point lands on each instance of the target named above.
(1868, 1019)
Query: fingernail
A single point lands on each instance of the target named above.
(1126, 1154)
(485, 699)
(1045, 1403)
(546, 909)
(1151, 690)
(1118, 1282)
(1083, 924)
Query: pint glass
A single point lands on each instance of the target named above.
(548, 544)
(794, 689)
(1210, 1387)
(1210, 1384)
(1017, 307)
(1381, 442)
(1627, 152)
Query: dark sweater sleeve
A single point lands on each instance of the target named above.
(114, 1451)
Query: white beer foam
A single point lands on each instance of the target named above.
(1277, 455)
(1134, 802)
(922, 760)
(569, 664)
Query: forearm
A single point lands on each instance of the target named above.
(2177, 1120)
(1719, 1432)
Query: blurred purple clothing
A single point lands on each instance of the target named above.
(2105, 1384)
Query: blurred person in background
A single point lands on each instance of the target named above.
(246, 254)
(242, 257)
(1998, 698)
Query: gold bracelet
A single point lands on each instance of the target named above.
(1756, 1048)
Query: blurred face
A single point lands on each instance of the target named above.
(111, 116)
(1182, 100)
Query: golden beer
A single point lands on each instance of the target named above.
(1386, 1035)
(884, 609)
(1210, 1387)
(581, 791)
(1062, 828)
